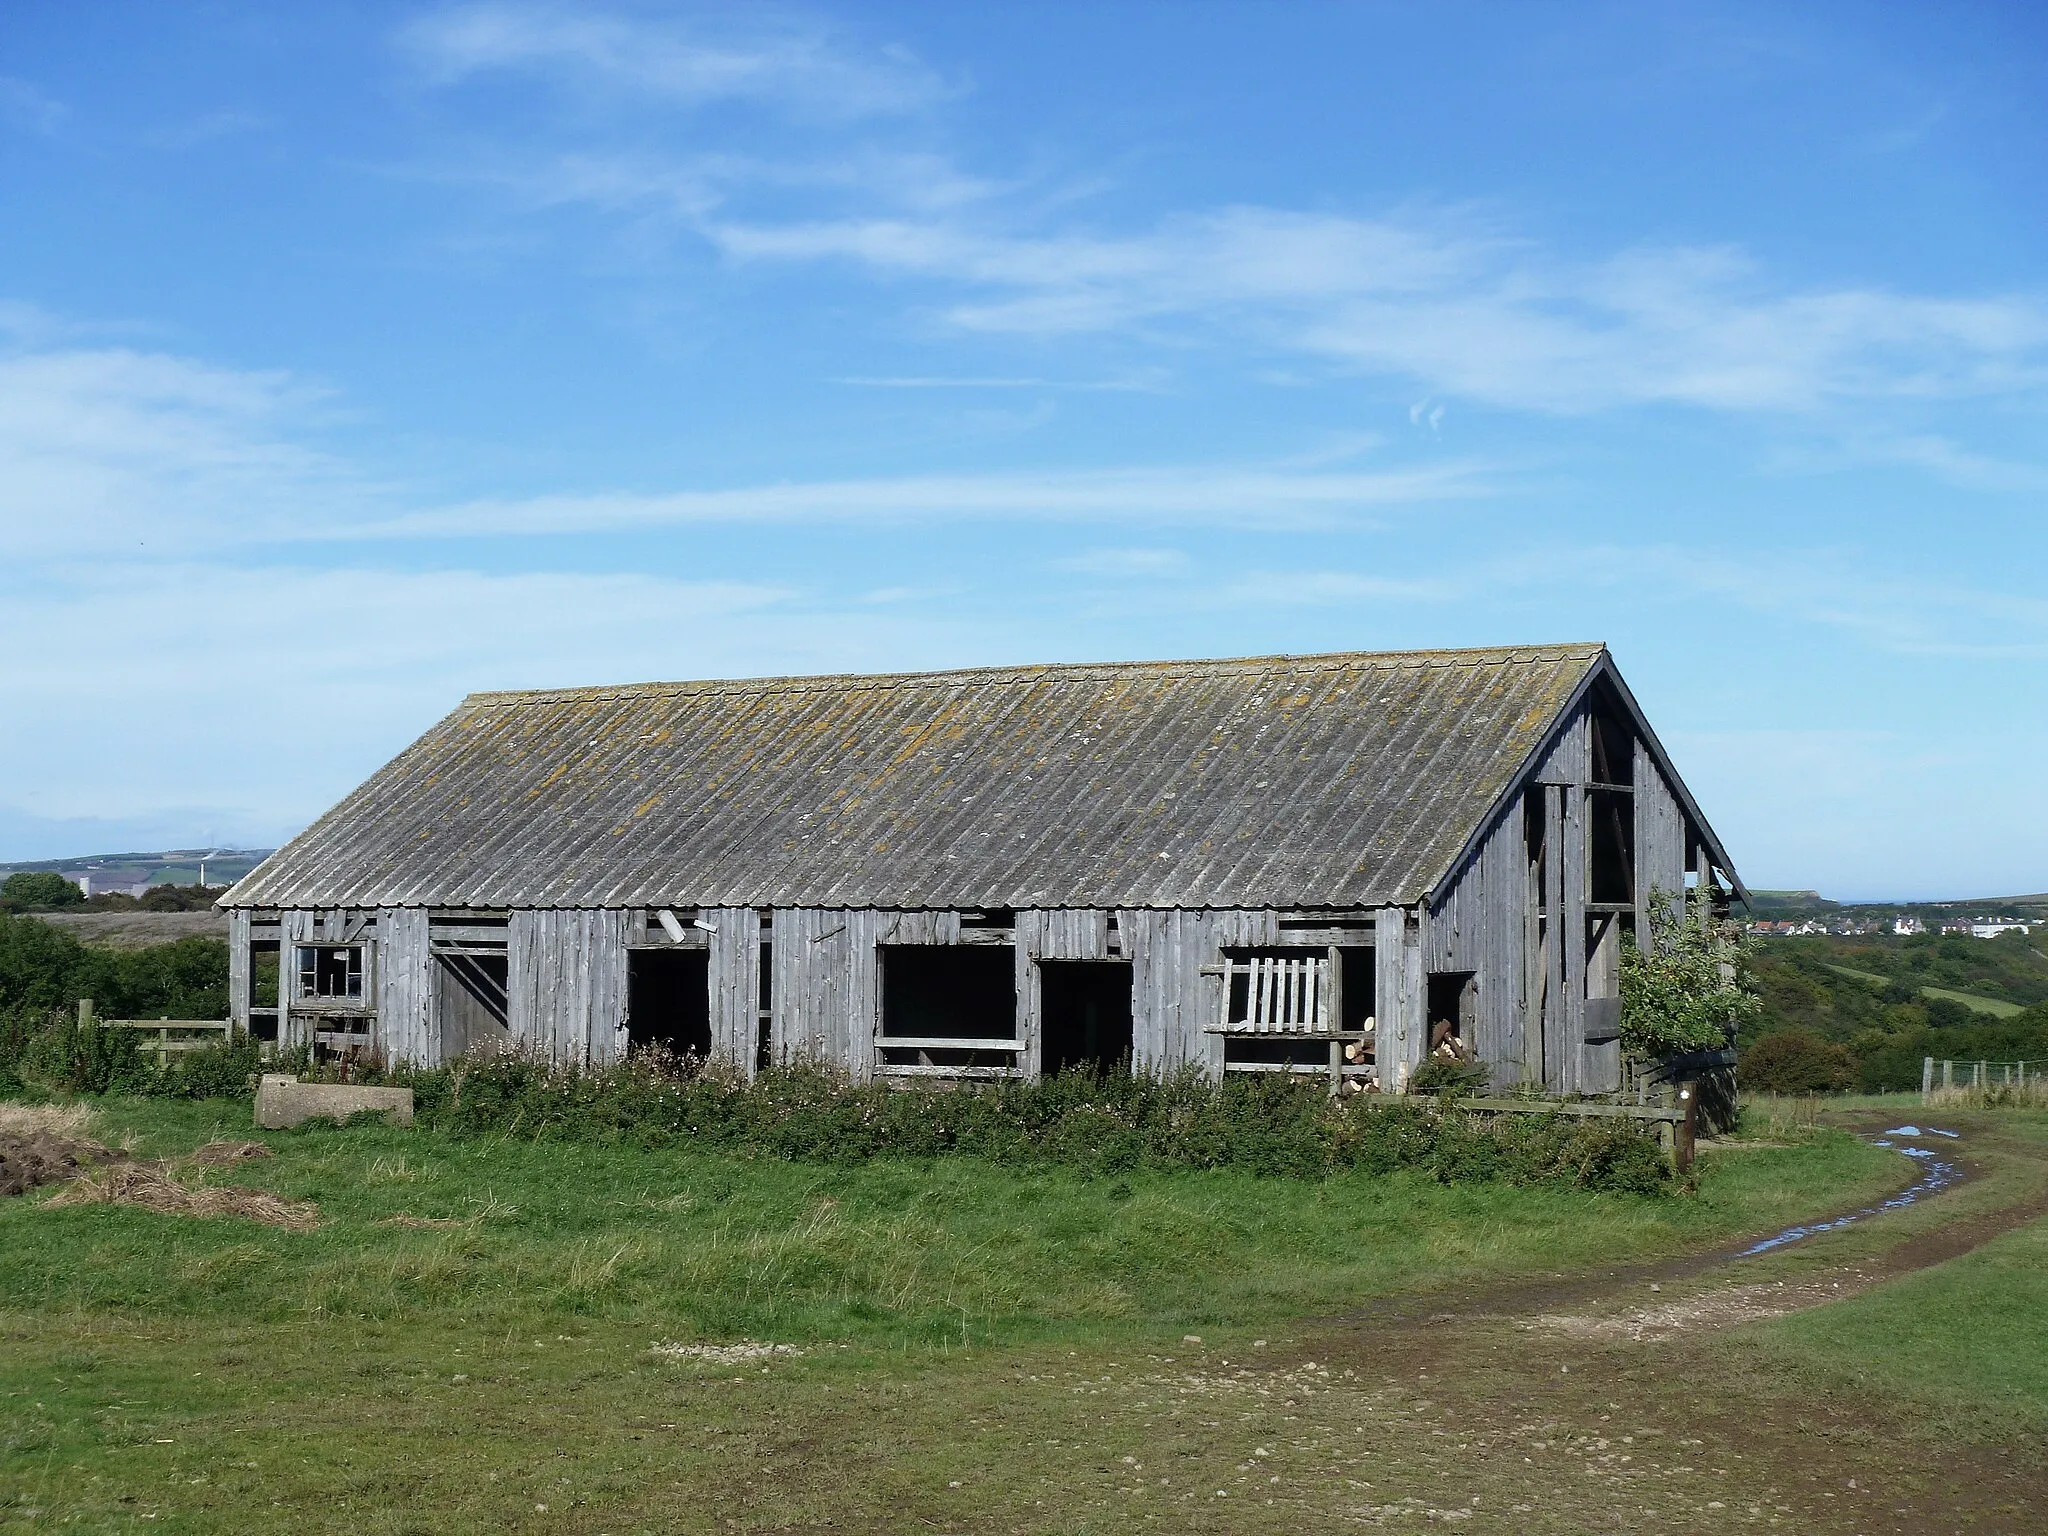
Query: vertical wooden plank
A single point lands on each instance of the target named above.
(1030, 1005)
(404, 999)
(604, 935)
(1139, 933)
(786, 987)
(294, 929)
(1660, 842)
(1554, 1075)
(734, 964)
(1414, 997)
(239, 971)
(863, 1000)
(524, 1013)
(1576, 892)
(1391, 1041)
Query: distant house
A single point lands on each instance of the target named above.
(1907, 926)
(1334, 864)
(1998, 925)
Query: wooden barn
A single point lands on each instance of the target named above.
(1332, 864)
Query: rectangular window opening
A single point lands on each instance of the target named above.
(949, 1007)
(1611, 868)
(331, 972)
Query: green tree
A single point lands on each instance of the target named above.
(1691, 989)
(39, 889)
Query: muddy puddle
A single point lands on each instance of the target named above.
(1938, 1171)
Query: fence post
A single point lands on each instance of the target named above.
(1926, 1077)
(1948, 1074)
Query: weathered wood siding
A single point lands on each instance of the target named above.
(1402, 997)
(1172, 1002)
(406, 1027)
(1660, 840)
(1064, 933)
(734, 976)
(295, 927)
(566, 992)
(823, 991)
(1564, 769)
(240, 977)
(1480, 925)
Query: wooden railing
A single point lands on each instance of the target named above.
(1282, 996)
(163, 1045)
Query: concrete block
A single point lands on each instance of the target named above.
(285, 1101)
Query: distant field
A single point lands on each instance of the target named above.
(1990, 1005)
(1996, 1007)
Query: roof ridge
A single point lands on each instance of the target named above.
(1027, 671)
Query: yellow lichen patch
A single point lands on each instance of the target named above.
(647, 805)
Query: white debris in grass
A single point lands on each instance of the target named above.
(724, 1354)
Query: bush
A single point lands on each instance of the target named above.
(1675, 996)
(1795, 1062)
(1102, 1123)
(42, 968)
(38, 890)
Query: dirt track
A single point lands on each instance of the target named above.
(1616, 1399)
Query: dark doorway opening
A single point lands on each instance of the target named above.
(1453, 1012)
(469, 999)
(1085, 1014)
(668, 1000)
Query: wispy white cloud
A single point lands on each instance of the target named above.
(1460, 310)
(1136, 385)
(112, 449)
(375, 655)
(1225, 494)
(762, 55)
(1448, 300)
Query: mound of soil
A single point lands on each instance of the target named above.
(42, 1157)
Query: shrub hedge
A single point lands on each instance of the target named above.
(1098, 1122)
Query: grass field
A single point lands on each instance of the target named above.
(1993, 1006)
(1968, 1339)
(976, 1348)
(1990, 1005)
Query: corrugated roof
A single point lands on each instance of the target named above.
(1284, 781)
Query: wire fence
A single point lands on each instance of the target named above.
(1978, 1083)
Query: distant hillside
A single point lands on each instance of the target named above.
(1782, 906)
(129, 871)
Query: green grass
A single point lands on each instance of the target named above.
(956, 1320)
(1970, 1000)
(1967, 1339)
(1996, 1007)
(899, 1251)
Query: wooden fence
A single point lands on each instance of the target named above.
(164, 1037)
(1981, 1082)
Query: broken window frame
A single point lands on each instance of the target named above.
(310, 975)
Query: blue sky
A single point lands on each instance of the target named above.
(353, 357)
